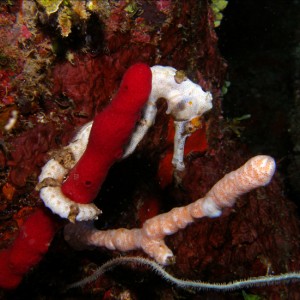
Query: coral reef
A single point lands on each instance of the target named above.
(85, 67)
(37, 55)
(73, 13)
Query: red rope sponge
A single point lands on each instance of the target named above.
(28, 249)
(109, 135)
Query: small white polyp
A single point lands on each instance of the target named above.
(210, 208)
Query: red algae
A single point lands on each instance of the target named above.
(29, 152)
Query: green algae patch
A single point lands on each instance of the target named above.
(51, 6)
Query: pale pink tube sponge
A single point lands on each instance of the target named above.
(256, 172)
(109, 135)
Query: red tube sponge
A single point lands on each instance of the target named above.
(109, 135)
(28, 248)
(8, 279)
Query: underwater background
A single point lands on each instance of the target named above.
(61, 63)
